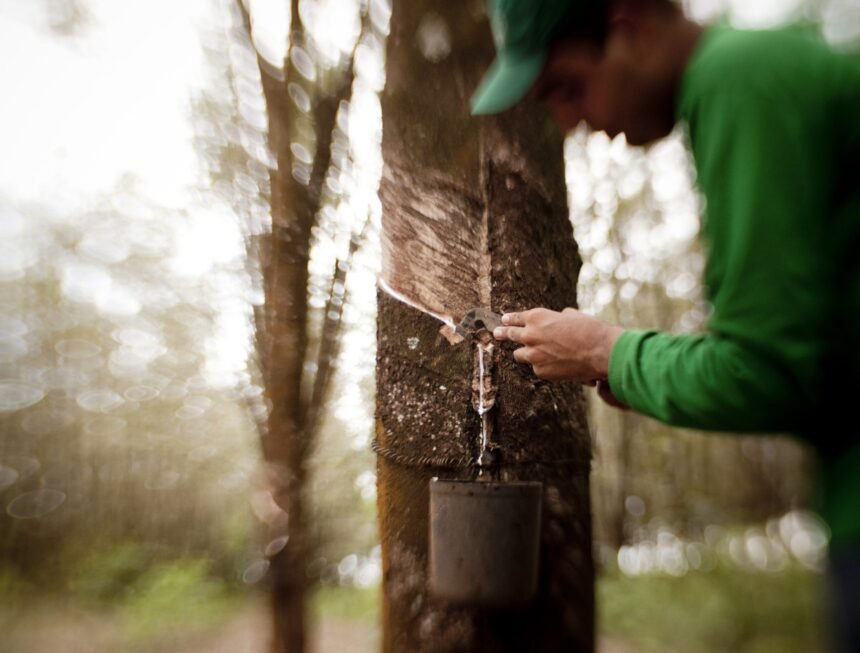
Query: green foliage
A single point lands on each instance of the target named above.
(11, 584)
(721, 610)
(173, 596)
(105, 574)
(346, 602)
(145, 604)
(133, 602)
(12, 587)
(725, 609)
(235, 533)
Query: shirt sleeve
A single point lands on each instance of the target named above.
(757, 367)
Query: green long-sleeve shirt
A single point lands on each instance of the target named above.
(774, 125)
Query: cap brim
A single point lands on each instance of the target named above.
(506, 83)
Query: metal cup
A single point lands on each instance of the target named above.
(484, 542)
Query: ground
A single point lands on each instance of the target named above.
(57, 628)
(722, 610)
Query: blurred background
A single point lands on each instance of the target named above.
(139, 511)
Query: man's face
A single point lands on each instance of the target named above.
(611, 89)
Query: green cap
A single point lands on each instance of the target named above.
(522, 31)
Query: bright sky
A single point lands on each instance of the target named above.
(80, 112)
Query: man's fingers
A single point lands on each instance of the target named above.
(522, 355)
(515, 319)
(508, 333)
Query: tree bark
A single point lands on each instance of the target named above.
(282, 323)
(474, 214)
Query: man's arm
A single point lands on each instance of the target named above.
(699, 381)
(703, 381)
(766, 179)
(758, 366)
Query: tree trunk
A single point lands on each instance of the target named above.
(474, 214)
(282, 323)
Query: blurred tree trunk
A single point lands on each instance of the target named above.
(282, 322)
(474, 214)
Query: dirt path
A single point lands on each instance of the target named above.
(60, 627)
(249, 633)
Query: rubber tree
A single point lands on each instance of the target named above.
(474, 215)
(301, 103)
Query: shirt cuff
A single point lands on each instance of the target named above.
(623, 354)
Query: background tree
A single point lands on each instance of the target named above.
(302, 98)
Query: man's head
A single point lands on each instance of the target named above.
(614, 64)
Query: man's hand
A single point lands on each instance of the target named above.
(566, 346)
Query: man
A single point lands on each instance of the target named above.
(774, 127)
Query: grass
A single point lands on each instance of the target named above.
(174, 597)
(143, 603)
(346, 603)
(721, 610)
(135, 602)
(725, 609)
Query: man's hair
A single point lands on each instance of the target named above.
(584, 21)
(588, 21)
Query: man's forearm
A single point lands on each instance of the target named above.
(703, 381)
